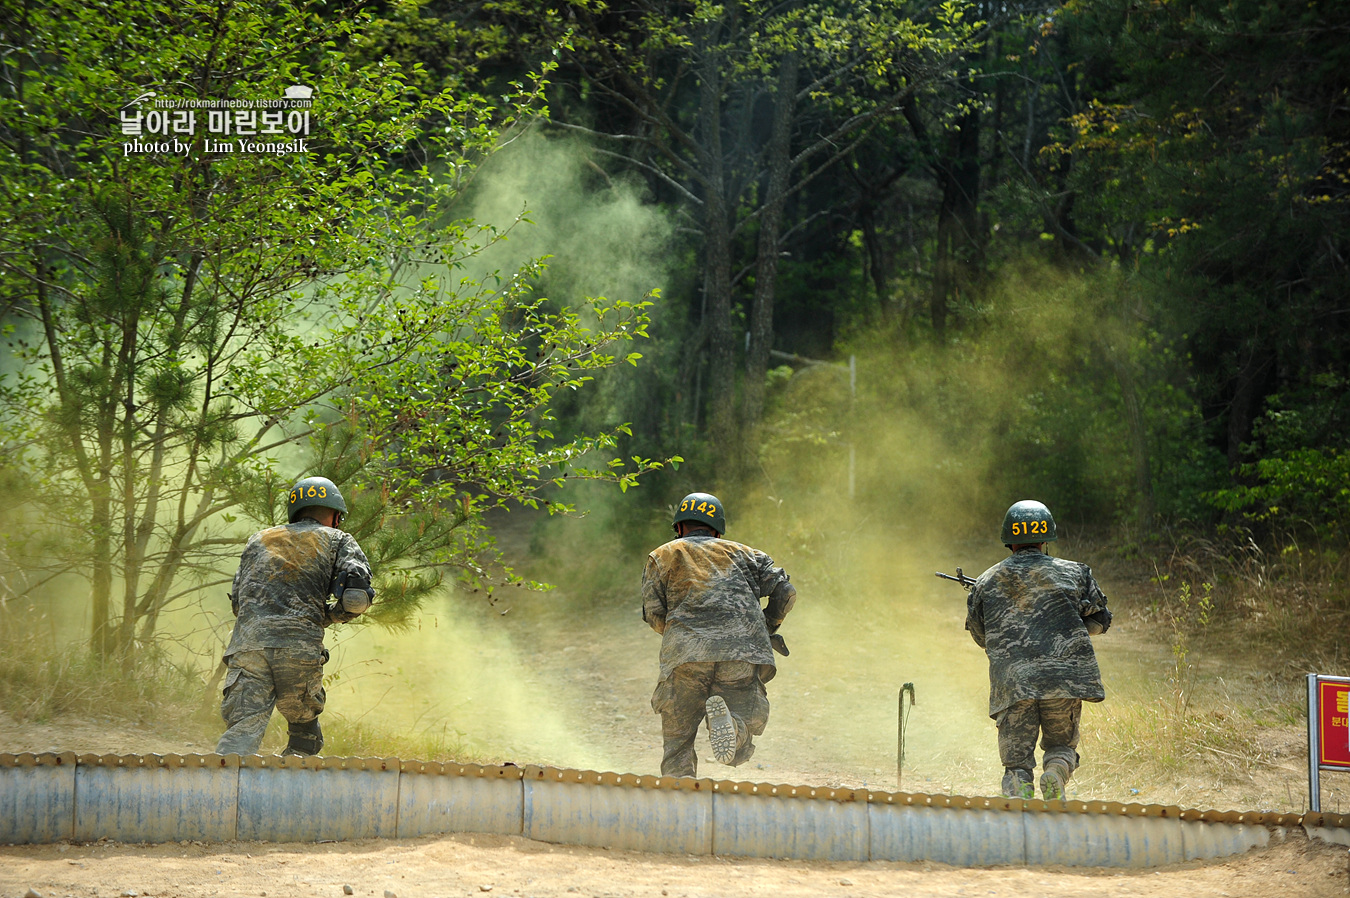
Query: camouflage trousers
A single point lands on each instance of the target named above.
(290, 680)
(1054, 719)
(680, 702)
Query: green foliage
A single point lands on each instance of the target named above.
(1192, 147)
(1189, 612)
(1300, 480)
(1301, 488)
(1227, 183)
(729, 111)
(41, 682)
(195, 330)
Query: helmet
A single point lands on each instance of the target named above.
(1028, 521)
(314, 491)
(702, 508)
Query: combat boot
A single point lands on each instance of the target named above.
(305, 739)
(1054, 779)
(721, 729)
(1017, 783)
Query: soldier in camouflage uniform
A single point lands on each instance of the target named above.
(1033, 615)
(280, 598)
(702, 594)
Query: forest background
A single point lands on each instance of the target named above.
(874, 270)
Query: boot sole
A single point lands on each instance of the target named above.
(1051, 788)
(721, 729)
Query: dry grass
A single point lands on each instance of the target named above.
(344, 738)
(1224, 712)
(40, 682)
(1245, 625)
(1290, 603)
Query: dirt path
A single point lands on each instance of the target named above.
(565, 680)
(440, 867)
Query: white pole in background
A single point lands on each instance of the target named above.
(852, 397)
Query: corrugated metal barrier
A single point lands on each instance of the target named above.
(218, 798)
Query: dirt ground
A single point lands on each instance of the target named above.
(439, 867)
(451, 865)
(596, 676)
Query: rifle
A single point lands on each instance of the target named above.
(779, 645)
(960, 577)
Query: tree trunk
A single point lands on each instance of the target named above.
(102, 636)
(877, 269)
(1248, 392)
(960, 241)
(157, 595)
(770, 221)
(144, 610)
(94, 474)
(959, 238)
(717, 248)
(131, 567)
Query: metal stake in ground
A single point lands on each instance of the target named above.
(901, 723)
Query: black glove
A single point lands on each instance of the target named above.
(1096, 618)
(353, 592)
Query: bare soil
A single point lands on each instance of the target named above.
(508, 865)
(832, 725)
(462, 864)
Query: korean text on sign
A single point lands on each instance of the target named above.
(1334, 724)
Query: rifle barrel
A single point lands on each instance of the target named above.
(959, 578)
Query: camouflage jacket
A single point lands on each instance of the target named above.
(285, 578)
(701, 593)
(1031, 613)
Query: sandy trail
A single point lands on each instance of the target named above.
(588, 672)
(477, 865)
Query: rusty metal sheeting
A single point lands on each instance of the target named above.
(764, 826)
(609, 816)
(155, 803)
(37, 797)
(293, 803)
(468, 802)
(54, 796)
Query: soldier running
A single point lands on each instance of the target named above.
(275, 657)
(1033, 614)
(702, 594)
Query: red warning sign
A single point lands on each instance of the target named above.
(1333, 723)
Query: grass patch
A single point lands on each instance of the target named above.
(41, 682)
(1287, 601)
(1157, 741)
(1225, 714)
(1182, 727)
(345, 738)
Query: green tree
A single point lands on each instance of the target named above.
(190, 330)
(730, 111)
(1215, 156)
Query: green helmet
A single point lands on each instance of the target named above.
(1028, 522)
(702, 508)
(314, 491)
